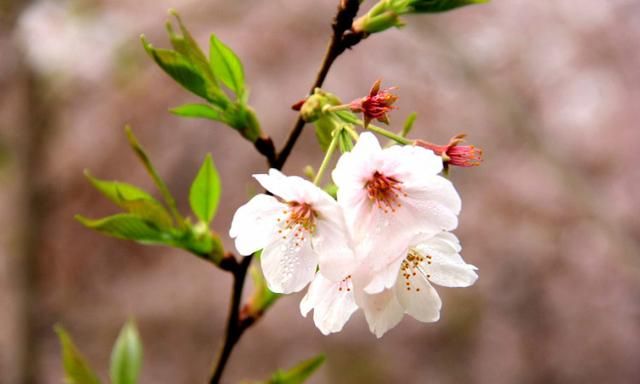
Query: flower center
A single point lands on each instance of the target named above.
(385, 191)
(299, 220)
(412, 265)
(345, 284)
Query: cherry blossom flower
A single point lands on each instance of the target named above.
(431, 259)
(388, 196)
(376, 105)
(302, 229)
(455, 154)
(434, 259)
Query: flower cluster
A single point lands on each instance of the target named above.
(378, 247)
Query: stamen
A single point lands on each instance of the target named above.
(385, 191)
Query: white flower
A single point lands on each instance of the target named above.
(434, 259)
(389, 196)
(303, 229)
(333, 303)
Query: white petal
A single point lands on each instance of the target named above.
(382, 310)
(279, 184)
(447, 268)
(432, 205)
(254, 224)
(410, 161)
(383, 279)
(332, 243)
(354, 166)
(418, 298)
(332, 302)
(288, 268)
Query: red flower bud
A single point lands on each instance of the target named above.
(455, 154)
(376, 104)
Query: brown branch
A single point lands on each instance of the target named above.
(341, 40)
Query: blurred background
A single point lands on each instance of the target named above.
(549, 90)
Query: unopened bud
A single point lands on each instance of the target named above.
(376, 105)
(314, 106)
(455, 154)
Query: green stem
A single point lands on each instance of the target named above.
(336, 108)
(388, 134)
(327, 156)
(162, 187)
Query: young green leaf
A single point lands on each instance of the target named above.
(180, 69)
(151, 211)
(126, 356)
(129, 227)
(162, 186)
(116, 191)
(433, 6)
(186, 45)
(199, 110)
(299, 373)
(204, 195)
(325, 126)
(226, 66)
(133, 200)
(76, 368)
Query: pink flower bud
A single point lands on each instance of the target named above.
(455, 154)
(376, 104)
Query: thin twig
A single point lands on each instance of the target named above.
(341, 40)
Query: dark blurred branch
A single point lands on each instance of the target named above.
(341, 40)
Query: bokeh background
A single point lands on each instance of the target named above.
(549, 89)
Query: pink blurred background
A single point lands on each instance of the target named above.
(549, 90)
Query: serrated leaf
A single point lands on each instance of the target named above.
(200, 111)
(76, 368)
(126, 356)
(180, 69)
(129, 227)
(433, 6)
(226, 66)
(299, 373)
(204, 195)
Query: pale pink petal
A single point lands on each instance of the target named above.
(333, 303)
(444, 265)
(288, 264)
(418, 298)
(382, 310)
(254, 224)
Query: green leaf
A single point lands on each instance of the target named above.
(150, 210)
(116, 191)
(325, 126)
(299, 373)
(133, 200)
(186, 45)
(226, 66)
(204, 195)
(200, 111)
(180, 69)
(76, 368)
(433, 6)
(126, 356)
(129, 227)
